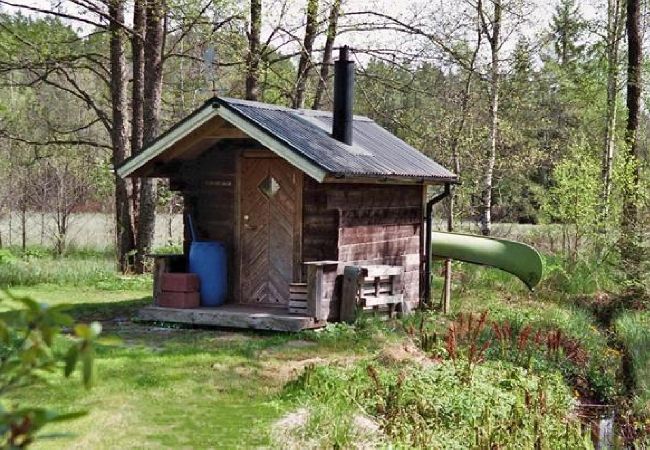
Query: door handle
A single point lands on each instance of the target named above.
(250, 227)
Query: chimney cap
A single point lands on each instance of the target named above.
(344, 53)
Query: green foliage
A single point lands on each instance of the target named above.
(425, 406)
(567, 30)
(633, 330)
(584, 276)
(6, 257)
(28, 331)
(546, 312)
(574, 200)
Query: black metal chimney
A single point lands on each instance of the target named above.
(343, 97)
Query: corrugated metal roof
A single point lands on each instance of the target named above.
(374, 150)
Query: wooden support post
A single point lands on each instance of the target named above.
(396, 288)
(352, 278)
(319, 297)
(314, 291)
(446, 292)
(160, 266)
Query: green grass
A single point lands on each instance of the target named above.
(633, 329)
(82, 268)
(167, 386)
(175, 387)
(158, 388)
(428, 406)
(477, 289)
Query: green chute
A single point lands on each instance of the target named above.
(521, 260)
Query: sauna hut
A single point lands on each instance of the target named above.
(295, 196)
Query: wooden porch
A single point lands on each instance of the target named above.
(334, 292)
(233, 316)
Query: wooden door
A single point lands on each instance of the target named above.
(269, 203)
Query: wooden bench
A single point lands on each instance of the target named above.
(370, 287)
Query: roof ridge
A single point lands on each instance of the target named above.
(274, 107)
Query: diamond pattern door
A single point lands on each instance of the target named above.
(268, 206)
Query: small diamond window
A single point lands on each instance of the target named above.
(269, 186)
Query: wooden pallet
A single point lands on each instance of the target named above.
(371, 288)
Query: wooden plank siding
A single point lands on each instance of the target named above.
(381, 225)
(320, 224)
(364, 224)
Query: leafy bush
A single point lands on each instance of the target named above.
(6, 257)
(503, 406)
(27, 334)
(582, 277)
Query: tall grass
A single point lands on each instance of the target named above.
(429, 406)
(79, 267)
(633, 329)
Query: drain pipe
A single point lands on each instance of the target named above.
(427, 263)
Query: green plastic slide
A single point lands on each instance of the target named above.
(521, 260)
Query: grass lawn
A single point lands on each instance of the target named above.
(172, 387)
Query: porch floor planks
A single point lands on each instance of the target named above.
(232, 316)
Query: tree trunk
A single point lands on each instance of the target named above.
(632, 251)
(23, 223)
(486, 193)
(153, 60)
(119, 133)
(614, 26)
(137, 93)
(634, 57)
(254, 51)
(327, 54)
(305, 63)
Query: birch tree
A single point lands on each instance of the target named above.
(614, 33)
(490, 19)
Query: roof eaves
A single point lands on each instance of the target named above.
(169, 138)
(392, 178)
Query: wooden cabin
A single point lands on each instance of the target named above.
(295, 196)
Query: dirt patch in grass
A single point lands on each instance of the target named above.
(397, 353)
(293, 431)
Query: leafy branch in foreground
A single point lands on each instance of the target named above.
(28, 331)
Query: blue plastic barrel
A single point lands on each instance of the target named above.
(208, 259)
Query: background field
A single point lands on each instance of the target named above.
(92, 230)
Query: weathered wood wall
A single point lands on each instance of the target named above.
(320, 224)
(353, 223)
(381, 225)
(364, 224)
